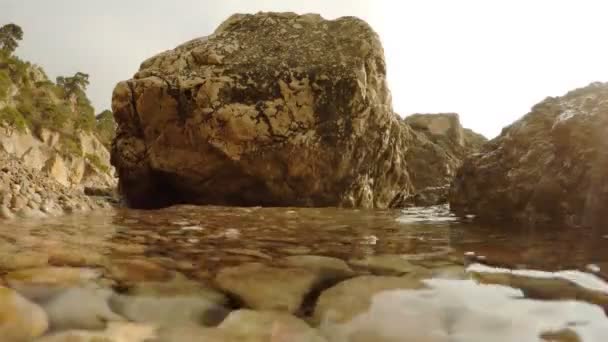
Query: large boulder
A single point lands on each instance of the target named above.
(271, 109)
(548, 167)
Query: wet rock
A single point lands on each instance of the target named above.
(81, 308)
(23, 259)
(546, 168)
(546, 285)
(563, 335)
(463, 310)
(352, 297)
(170, 311)
(389, 264)
(20, 319)
(270, 127)
(179, 285)
(296, 250)
(264, 287)
(331, 269)
(248, 252)
(6, 213)
(248, 325)
(174, 302)
(424, 198)
(442, 144)
(116, 332)
(76, 257)
(45, 282)
(137, 270)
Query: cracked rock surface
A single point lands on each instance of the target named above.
(272, 109)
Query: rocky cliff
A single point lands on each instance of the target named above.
(547, 168)
(50, 146)
(49, 130)
(271, 109)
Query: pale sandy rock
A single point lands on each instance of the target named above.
(136, 270)
(44, 282)
(116, 332)
(179, 285)
(352, 297)
(249, 326)
(81, 308)
(332, 269)
(20, 319)
(264, 287)
(13, 260)
(170, 311)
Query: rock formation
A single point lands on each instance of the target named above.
(50, 147)
(440, 145)
(25, 192)
(271, 109)
(87, 166)
(50, 130)
(548, 167)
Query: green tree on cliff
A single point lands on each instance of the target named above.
(105, 127)
(74, 84)
(10, 35)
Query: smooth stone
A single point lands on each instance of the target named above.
(116, 332)
(30, 213)
(264, 287)
(45, 282)
(388, 264)
(353, 296)
(130, 249)
(296, 250)
(81, 308)
(332, 269)
(137, 270)
(170, 311)
(250, 326)
(178, 286)
(76, 258)
(248, 252)
(20, 319)
(6, 213)
(23, 259)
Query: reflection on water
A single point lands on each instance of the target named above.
(132, 246)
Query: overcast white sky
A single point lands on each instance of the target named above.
(489, 61)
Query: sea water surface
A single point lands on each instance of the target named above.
(482, 282)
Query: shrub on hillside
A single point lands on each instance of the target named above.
(12, 117)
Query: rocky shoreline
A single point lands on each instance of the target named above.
(28, 193)
(300, 298)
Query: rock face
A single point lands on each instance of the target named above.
(88, 168)
(548, 167)
(440, 145)
(271, 109)
(27, 193)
